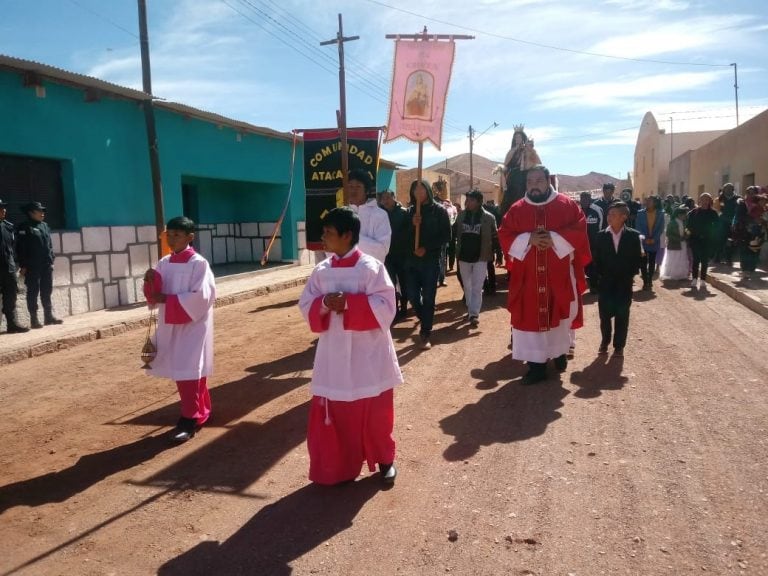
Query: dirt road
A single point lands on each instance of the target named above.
(650, 464)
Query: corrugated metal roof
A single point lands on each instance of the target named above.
(83, 81)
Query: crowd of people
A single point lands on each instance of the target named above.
(382, 257)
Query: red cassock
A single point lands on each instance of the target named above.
(540, 288)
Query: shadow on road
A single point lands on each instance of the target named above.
(238, 458)
(275, 306)
(234, 400)
(279, 533)
(604, 373)
(87, 471)
(510, 414)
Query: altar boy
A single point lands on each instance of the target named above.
(350, 301)
(183, 290)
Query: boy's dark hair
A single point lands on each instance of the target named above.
(343, 220)
(620, 206)
(363, 176)
(181, 223)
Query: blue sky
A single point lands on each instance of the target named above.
(580, 74)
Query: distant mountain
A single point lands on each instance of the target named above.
(482, 168)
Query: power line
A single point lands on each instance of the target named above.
(105, 18)
(359, 82)
(547, 46)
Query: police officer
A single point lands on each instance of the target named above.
(36, 256)
(8, 285)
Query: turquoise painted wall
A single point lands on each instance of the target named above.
(103, 149)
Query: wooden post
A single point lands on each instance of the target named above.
(149, 121)
(419, 178)
(341, 114)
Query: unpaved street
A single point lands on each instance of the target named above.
(650, 464)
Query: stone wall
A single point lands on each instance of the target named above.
(103, 267)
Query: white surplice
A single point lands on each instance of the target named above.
(185, 351)
(353, 364)
(375, 231)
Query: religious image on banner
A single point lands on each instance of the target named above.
(419, 90)
(418, 99)
(323, 179)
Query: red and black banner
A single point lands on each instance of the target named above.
(322, 171)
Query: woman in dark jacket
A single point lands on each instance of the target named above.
(703, 228)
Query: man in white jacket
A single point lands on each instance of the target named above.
(375, 232)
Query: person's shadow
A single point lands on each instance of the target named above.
(87, 471)
(280, 532)
(510, 414)
(604, 373)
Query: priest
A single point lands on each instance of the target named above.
(545, 243)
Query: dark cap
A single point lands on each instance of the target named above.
(32, 206)
(3, 204)
(475, 194)
(609, 186)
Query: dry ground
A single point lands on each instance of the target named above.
(654, 464)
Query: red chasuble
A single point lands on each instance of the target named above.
(540, 287)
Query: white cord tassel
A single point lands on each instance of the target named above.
(327, 415)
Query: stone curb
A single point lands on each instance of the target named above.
(741, 297)
(91, 334)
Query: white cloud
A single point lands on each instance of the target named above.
(670, 38)
(620, 91)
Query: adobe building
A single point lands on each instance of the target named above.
(739, 156)
(655, 150)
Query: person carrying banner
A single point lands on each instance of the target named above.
(349, 300)
(544, 239)
(375, 231)
(431, 226)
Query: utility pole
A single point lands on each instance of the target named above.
(736, 88)
(671, 140)
(149, 121)
(471, 148)
(341, 113)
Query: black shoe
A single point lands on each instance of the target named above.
(603, 349)
(561, 363)
(185, 430)
(535, 375)
(618, 352)
(474, 321)
(388, 473)
(14, 328)
(52, 320)
(35, 323)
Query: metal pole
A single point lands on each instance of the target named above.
(471, 146)
(149, 120)
(736, 89)
(671, 140)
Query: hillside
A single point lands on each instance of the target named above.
(483, 169)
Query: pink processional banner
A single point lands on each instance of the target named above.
(419, 90)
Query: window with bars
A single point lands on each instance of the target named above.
(25, 179)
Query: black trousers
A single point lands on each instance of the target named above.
(396, 270)
(648, 266)
(9, 291)
(39, 283)
(613, 308)
(700, 254)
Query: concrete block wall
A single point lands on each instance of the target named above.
(243, 242)
(103, 266)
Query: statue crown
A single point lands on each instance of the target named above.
(519, 127)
